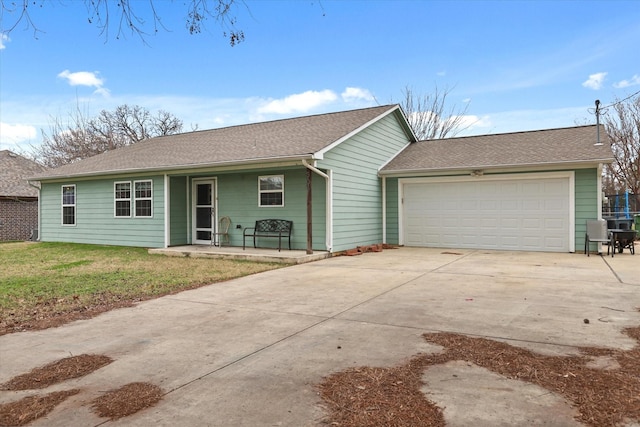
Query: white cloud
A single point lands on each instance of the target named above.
(472, 122)
(634, 81)
(595, 81)
(3, 39)
(11, 135)
(82, 78)
(103, 91)
(86, 78)
(299, 102)
(356, 94)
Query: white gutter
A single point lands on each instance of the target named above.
(329, 203)
(579, 164)
(37, 187)
(257, 162)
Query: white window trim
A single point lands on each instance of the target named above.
(136, 199)
(66, 205)
(116, 200)
(260, 191)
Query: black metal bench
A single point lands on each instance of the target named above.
(269, 228)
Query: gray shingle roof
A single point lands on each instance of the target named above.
(288, 138)
(14, 171)
(532, 148)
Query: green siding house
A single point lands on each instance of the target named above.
(345, 179)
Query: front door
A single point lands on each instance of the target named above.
(204, 212)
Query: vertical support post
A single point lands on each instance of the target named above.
(309, 214)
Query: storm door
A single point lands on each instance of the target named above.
(204, 212)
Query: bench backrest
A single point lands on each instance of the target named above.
(273, 225)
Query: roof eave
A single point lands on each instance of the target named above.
(173, 168)
(577, 164)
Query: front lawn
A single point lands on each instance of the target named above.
(48, 284)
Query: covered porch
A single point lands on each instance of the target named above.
(236, 252)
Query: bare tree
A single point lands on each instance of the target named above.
(83, 137)
(132, 16)
(622, 124)
(429, 116)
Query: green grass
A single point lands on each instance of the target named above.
(44, 280)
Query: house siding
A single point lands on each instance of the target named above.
(179, 211)
(392, 211)
(95, 220)
(18, 218)
(357, 189)
(238, 199)
(586, 200)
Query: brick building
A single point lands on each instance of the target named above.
(18, 200)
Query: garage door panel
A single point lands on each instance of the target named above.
(552, 224)
(522, 214)
(466, 222)
(450, 222)
(533, 205)
(532, 224)
(488, 205)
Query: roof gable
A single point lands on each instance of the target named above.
(293, 138)
(518, 149)
(14, 171)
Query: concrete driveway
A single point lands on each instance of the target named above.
(249, 352)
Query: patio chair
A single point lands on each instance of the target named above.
(222, 236)
(597, 233)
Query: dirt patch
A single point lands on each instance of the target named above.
(127, 400)
(392, 397)
(57, 372)
(30, 408)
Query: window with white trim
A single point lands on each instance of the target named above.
(122, 199)
(68, 205)
(271, 190)
(143, 198)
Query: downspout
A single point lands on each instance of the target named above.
(166, 211)
(37, 187)
(599, 191)
(384, 209)
(329, 203)
(599, 198)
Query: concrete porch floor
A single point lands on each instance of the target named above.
(235, 252)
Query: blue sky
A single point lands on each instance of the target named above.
(515, 65)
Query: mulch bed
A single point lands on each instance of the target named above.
(57, 372)
(391, 396)
(30, 408)
(114, 404)
(127, 400)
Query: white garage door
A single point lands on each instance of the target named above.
(515, 214)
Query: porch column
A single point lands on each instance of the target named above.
(309, 214)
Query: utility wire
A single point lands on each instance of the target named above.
(620, 101)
